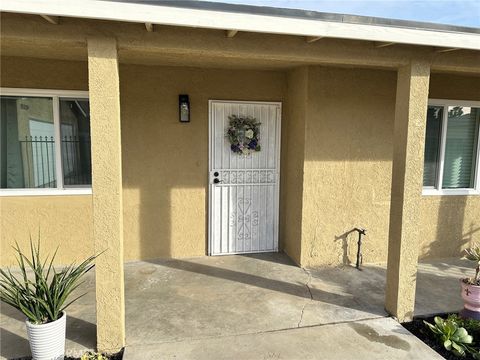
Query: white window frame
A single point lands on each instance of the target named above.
(437, 190)
(55, 95)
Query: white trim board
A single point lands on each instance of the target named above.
(45, 192)
(5, 91)
(437, 190)
(55, 95)
(222, 20)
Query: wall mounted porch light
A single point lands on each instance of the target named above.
(184, 108)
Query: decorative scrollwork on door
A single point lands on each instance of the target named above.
(247, 177)
(246, 219)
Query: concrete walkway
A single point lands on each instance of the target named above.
(365, 339)
(254, 307)
(231, 295)
(261, 307)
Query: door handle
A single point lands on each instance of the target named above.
(216, 181)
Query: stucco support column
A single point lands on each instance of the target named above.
(407, 178)
(104, 93)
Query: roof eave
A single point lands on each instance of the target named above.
(223, 20)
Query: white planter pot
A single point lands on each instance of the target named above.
(47, 341)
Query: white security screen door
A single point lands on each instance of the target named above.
(244, 189)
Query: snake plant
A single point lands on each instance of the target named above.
(39, 291)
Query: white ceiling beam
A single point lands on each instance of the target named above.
(444, 50)
(149, 27)
(51, 19)
(383, 44)
(231, 33)
(311, 39)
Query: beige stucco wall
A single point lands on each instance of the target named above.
(165, 168)
(36, 73)
(107, 189)
(165, 163)
(64, 221)
(347, 150)
(293, 156)
(411, 102)
(347, 164)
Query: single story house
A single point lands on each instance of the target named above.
(150, 129)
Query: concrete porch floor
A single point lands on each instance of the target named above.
(256, 307)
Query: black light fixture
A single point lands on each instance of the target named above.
(184, 108)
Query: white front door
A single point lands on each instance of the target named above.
(244, 189)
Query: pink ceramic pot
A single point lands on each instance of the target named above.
(471, 297)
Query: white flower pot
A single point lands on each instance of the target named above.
(47, 341)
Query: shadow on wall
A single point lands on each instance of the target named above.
(347, 159)
(165, 162)
(348, 167)
(347, 241)
(164, 175)
(348, 156)
(451, 234)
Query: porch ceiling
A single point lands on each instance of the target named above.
(32, 36)
(78, 52)
(202, 61)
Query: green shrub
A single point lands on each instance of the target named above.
(453, 337)
(471, 325)
(89, 355)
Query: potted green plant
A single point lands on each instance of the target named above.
(471, 286)
(42, 294)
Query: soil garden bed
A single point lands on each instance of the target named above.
(117, 356)
(420, 330)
